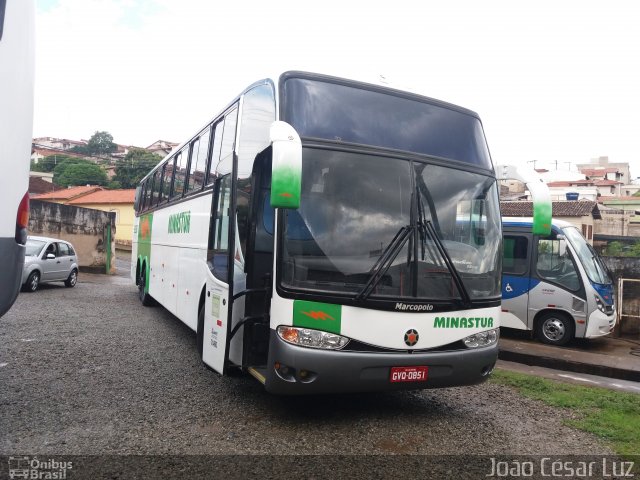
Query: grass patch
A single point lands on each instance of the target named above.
(610, 415)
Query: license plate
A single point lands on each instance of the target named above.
(408, 374)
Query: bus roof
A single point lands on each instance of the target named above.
(284, 74)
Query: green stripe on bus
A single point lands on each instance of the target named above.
(145, 226)
(319, 316)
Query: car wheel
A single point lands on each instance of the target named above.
(145, 298)
(72, 280)
(33, 281)
(555, 328)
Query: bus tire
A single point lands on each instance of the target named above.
(555, 328)
(200, 331)
(145, 298)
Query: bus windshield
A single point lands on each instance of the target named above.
(592, 263)
(434, 227)
(385, 119)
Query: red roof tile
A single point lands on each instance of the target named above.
(577, 208)
(37, 186)
(68, 193)
(106, 196)
(607, 182)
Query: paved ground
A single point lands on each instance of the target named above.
(607, 356)
(89, 371)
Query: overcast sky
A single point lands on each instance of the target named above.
(551, 80)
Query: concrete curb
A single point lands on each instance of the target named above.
(568, 365)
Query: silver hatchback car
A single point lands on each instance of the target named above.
(49, 260)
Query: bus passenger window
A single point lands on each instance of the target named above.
(515, 255)
(180, 173)
(218, 254)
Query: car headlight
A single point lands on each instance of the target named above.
(306, 337)
(482, 339)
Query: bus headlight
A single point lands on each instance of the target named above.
(600, 304)
(306, 337)
(482, 339)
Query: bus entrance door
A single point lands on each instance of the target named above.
(216, 317)
(217, 304)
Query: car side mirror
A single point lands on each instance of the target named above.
(50, 256)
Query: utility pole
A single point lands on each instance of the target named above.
(534, 163)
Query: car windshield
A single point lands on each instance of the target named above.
(34, 247)
(592, 263)
(426, 231)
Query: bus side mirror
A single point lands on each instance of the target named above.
(542, 206)
(286, 166)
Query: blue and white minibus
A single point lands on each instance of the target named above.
(555, 285)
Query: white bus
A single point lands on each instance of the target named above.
(555, 285)
(311, 235)
(16, 124)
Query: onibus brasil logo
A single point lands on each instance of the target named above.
(34, 468)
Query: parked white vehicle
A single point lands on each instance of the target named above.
(49, 260)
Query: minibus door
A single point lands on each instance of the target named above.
(516, 280)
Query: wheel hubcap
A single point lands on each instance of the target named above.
(73, 278)
(553, 329)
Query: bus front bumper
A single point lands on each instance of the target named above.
(294, 370)
(600, 324)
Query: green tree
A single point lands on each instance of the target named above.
(634, 251)
(614, 249)
(101, 143)
(135, 165)
(76, 171)
(49, 163)
(618, 249)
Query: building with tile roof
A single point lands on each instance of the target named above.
(581, 213)
(65, 195)
(118, 201)
(38, 185)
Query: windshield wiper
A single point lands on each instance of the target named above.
(464, 294)
(380, 268)
(426, 228)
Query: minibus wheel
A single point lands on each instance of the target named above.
(554, 328)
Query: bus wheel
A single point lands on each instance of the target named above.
(554, 328)
(145, 298)
(200, 331)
